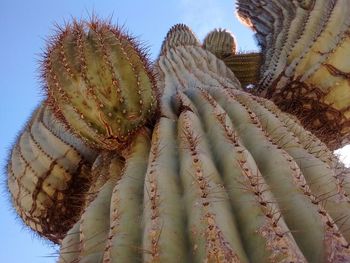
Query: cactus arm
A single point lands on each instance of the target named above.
(124, 238)
(285, 174)
(111, 94)
(259, 221)
(220, 42)
(47, 170)
(178, 35)
(70, 246)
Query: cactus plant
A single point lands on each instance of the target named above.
(220, 175)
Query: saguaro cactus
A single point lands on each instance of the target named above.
(222, 175)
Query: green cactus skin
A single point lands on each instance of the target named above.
(100, 83)
(48, 172)
(305, 69)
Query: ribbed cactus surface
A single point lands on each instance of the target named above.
(305, 68)
(221, 176)
(49, 172)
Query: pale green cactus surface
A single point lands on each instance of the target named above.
(185, 159)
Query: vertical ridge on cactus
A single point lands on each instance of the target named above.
(305, 70)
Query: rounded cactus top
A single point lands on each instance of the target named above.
(179, 35)
(220, 42)
(99, 82)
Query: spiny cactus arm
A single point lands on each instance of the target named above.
(220, 42)
(264, 235)
(307, 74)
(48, 174)
(245, 66)
(70, 246)
(285, 175)
(100, 83)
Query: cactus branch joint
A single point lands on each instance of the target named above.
(204, 155)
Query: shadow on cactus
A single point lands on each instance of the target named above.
(220, 175)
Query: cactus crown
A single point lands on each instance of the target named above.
(178, 35)
(220, 42)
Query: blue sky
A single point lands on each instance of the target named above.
(24, 26)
